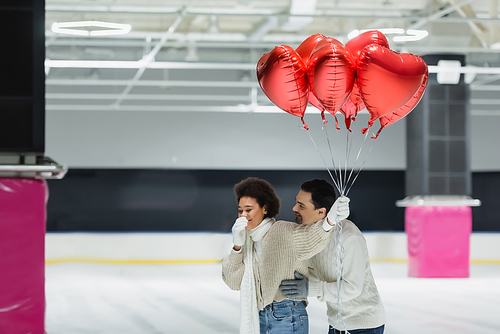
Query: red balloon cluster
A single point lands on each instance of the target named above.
(364, 73)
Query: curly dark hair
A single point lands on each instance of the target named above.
(322, 193)
(263, 193)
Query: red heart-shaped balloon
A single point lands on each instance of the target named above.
(304, 50)
(282, 76)
(352, 106)
(404, 110)
(314, 101)
(388, 80)
(330, 74)
(355, 46)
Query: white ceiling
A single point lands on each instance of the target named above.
(201, 55)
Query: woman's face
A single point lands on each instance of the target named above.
(249, 208)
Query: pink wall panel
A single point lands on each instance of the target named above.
(22, 267)
(438, 240)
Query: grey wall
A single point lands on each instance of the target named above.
(485, 143)
(125, 139)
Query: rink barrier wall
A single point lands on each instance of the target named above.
(164, 200)
(209, 247)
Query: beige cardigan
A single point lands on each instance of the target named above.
(284, 249)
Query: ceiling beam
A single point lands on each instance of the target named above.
(299, 7)
(152, 65)
(271, 42)
(438, 14)
(149, 58)
(220, 66)
(186, 83)
(356, 13)
(209, 109)
(476, 27)
(169, 108)
(153, 97)
(152, 83)
(262, 29)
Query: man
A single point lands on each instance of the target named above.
(362, 308)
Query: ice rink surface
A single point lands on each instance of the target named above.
(192, 298)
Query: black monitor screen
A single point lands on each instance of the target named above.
(22, 79)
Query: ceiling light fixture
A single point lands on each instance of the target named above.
(411, 34)
(448, 77)
(85, 28)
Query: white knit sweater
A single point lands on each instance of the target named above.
(283, 250)
(361, 303)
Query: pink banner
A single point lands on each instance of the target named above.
(22, 258)
(438, 240)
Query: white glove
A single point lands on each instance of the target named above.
(239, 232)
(339, 210)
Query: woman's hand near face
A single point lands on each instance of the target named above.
(239, 232)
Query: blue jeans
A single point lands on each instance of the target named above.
(284, 317)
(378, 330)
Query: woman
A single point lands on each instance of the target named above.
(265, 252)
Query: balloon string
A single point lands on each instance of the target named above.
(345, 164)
(360, 168)
(357, 174)
(340, 168)
(339, 266)
(347, 155)
(324, 162)
(333, 160)
(344, 179)
(356, 160)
